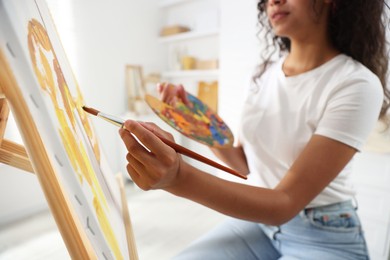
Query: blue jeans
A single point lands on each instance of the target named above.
(331, 232)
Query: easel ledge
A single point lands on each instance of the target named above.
(16, 155)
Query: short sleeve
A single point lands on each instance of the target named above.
(352, 110)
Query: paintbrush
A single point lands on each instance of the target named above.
(179, 149)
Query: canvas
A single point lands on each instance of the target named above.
(53, 99)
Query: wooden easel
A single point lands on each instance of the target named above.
(11, 153)
(33, 158)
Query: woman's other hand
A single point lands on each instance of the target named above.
(170, 93)
(152, 164)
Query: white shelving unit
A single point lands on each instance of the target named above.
(169, 3)
(201, 42)
(194, 74)
(192, 35)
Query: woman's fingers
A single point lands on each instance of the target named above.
(155, 166)
(170, 93)
(149, 139)
(155, 129)
(142, 181)
(182, 94)
(136, 165)
(133, 146)
(167, 92)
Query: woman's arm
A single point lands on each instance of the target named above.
(161, 168)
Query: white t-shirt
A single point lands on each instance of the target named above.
(340, 99)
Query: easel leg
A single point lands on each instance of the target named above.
(4, 112)
(126, 217)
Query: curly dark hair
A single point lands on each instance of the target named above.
(357, 29)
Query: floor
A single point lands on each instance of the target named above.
(163, 225)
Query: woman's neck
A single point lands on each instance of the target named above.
(308, 56)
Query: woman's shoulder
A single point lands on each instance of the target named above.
(352, 69)
(351, 76)
(348, 73)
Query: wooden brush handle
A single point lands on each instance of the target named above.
(182, 150)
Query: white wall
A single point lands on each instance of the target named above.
(239, 54)
(20, 193)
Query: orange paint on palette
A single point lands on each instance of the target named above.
(195, 120)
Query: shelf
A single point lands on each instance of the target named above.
(191, 74)
(189, 36)
(169, 3)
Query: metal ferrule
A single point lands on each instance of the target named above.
(112, 119)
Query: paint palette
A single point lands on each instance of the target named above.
(195, 120)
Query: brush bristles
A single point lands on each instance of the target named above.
(91, 110)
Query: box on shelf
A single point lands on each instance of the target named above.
(188, 63)
(206, 64)
(174, 29)
(208, 93)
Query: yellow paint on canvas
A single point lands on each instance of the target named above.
(87, 125)
(104, 224)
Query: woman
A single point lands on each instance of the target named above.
(303, 121)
